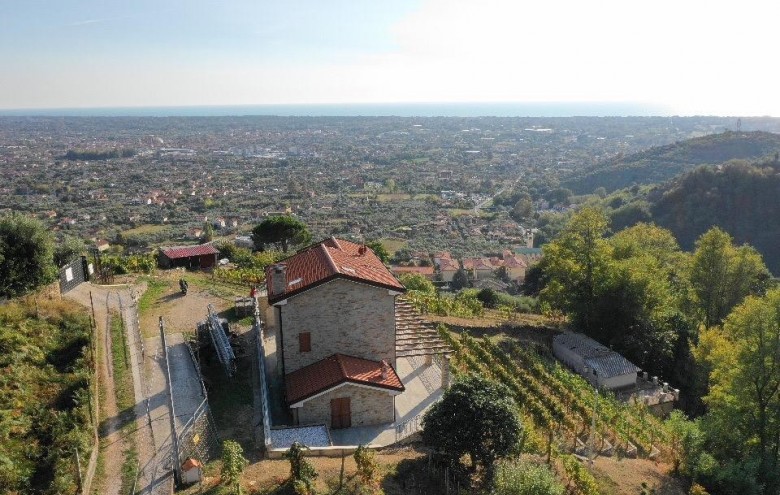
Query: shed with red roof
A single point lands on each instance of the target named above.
(200, 256)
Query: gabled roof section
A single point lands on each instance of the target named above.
(189, 251)
(605, 361)
(322, 262)
(335, 370)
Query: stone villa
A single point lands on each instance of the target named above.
(341, 334)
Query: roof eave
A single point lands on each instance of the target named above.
(298, 402)
(299, 290)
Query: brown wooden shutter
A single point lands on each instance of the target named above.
(304, 340)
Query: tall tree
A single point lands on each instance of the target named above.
(283, 231)
(575, 263)
(744, 397)
(460, 280)
(26, 255)
(723, 275)
(67, 249)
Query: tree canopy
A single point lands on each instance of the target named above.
(379, 250)
(460, 280)
(415, 281)
(743, 422)
(723, 275)
(26, 255)
(630, 291)
(282, 231)
(475, 417)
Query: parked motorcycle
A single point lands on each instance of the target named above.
(183, 286)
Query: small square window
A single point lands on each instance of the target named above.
(304, 341)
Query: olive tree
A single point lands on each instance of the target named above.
(26, 255)
(475, 417)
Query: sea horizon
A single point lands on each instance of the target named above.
(475, 109)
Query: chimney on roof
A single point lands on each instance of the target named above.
(362, 249)
(279, 279)
(385, 369)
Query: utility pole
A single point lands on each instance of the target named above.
(174, 435)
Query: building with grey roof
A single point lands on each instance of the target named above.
(601, 366)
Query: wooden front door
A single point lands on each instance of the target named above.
(340, 413)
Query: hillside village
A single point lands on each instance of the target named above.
(412, 180)
(423, 257)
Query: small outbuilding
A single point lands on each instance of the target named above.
(602, 367)
(196, 257)
(191, 471)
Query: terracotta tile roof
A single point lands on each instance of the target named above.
(515, 261)
(191, 463)
(335, 370)
(447, 264)
(187, 251)
(331, 258)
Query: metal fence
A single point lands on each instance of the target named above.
(198, 438)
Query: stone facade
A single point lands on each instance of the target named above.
(342, 317)
(368, 406)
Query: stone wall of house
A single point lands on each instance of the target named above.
(447, 275)
(343, 317)
(368, 406)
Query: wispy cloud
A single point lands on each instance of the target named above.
(93, 21)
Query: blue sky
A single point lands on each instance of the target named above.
(692, 56)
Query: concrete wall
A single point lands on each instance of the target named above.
(618, 381)
(576, 363)
(571, 359)
(335, 451)
(343, 317)
(368, 406)
(516, 272)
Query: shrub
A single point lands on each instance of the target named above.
(525, 478)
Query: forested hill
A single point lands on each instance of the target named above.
(740, 197)
(662, 163)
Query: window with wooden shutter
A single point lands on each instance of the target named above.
(304, 340)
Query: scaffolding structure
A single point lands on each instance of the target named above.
(218, 333)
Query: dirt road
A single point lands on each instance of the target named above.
(152, 477)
